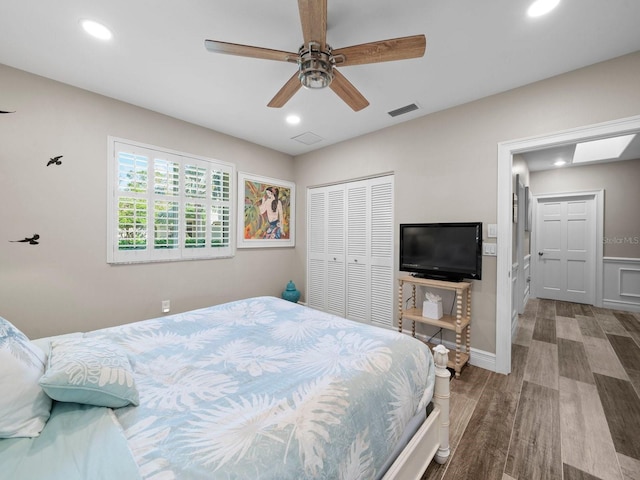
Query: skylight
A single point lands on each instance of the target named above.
(604, 149)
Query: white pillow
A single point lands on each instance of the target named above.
(24, 407)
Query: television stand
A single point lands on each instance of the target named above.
(460, 323)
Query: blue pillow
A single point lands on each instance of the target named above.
(90, 371)
(24, 408)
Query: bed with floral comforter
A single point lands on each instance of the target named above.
(264, 389)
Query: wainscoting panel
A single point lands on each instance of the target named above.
(622, 284)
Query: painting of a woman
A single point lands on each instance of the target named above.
(268, 211)
(271, 206)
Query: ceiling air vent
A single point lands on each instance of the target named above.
(308, 138)
(403, 110)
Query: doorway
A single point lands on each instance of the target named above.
(567, 245)
(506, 150)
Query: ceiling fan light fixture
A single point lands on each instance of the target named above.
(316, 66)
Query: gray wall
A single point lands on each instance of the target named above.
(621, 184)
(445, 163)
(445, 167)
(64, 284)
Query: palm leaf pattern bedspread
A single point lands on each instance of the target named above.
(267, 389)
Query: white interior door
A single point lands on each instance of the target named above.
(565, 248)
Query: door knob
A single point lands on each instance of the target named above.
(540, 254)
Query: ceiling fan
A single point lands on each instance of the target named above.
(317, 60)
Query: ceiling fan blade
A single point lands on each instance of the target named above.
(249, 51)
(382, 51)
(286, 92)
(347, 92)
(313, 16)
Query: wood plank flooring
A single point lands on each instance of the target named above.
(569, 410)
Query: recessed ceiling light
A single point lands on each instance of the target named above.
(559, 163)
(293, 119)
(96, 29)
(542, 7)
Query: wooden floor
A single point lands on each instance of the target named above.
(569, 410)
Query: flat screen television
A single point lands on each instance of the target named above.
(444, 251)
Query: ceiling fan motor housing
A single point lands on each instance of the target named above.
(315, 66)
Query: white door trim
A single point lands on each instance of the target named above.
(598, 196)
(506, 150)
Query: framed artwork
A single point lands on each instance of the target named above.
(266, 212)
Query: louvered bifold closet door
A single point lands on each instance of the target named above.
(370, 251)
(336, 294)
(350, 250)
(358, 251)
(381, 251)
(316, 248)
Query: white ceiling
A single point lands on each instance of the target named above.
(157, 58)
(544, 159)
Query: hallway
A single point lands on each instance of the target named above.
(569, 410)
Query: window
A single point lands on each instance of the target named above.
(166, 205)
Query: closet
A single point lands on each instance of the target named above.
(350, 232)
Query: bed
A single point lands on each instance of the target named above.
(256, 388)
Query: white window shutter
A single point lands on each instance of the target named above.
(166, 205)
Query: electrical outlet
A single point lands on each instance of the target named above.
(166, 306)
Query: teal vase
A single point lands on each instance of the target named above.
(291, 293)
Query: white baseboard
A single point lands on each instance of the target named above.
(624, 306)
(482, 359)
(478, 358)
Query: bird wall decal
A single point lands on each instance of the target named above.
(55, 160)
(31, 240)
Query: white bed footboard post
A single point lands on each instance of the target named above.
(441, 399)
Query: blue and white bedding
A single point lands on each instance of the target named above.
(79, 442)
(264, 388)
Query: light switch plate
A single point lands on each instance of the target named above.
(492, 230)
(489, 249)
